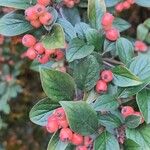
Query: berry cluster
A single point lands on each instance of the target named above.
(37, 51)
(124, 5)
(38, 15)
(70, 3)
(128, 111)
(106, 77)
(140, 46)
(1, 39)
(111, 33)
(58, 121)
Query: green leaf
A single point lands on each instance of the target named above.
(81, 29)
(143, 101)
(55, 39)
(124, 78)
(105, 103)
(56, 144)
(58, 86)
(130, 91)
(86, 73)
(132, 121)
(109, 46)
(140, 66)
(78, 49)
(142, 32)
(82, 118)
(125, 50)
(144, 3)
(69, 30)
(110, 121)
(40, 111)
(94, 38)
(131, 145)
(13, 24)
(147, 23)
(106, 141)
(96, 9)
(121, 24)
(19, 4)
(111, 3)
(140, 135)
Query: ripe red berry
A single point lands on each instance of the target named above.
(63, 123)
(112, 34)
(59, 55)
(59, 113)
(101, 86)
(131, 1)
(39, 9)
(77, 139)
(140, 46)
(43, 59)
(35, 23)
(30, 14)
(127, 111)
(139, 114)
(119, 7)
(107, 19)
(65, 135)
(44, 2)
(1, 39)
(31, 54)
(45, 18)
(107, 75)
(52, 125)
(126, 5)
(28, 40)
(69, 3)
(39, 48)
(81, 148)
(87, 141)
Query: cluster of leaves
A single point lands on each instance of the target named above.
(88, 53)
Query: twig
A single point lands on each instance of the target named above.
(113, 61)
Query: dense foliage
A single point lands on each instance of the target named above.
(95, 77)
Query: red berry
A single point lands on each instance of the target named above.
(44, 2)
(1, 39)
(126, 5)
(52, 125)
(101, 86)
(39, 48)
(45, 18)
(131, 1)
(65, 135)
(127, 111)
(39, 9)
(31, 14)
(81, 148)
(119, 7)
(59, 113)
(112, 34)
(69, 3)
(140, 46)
(28, 40)
(31, 54)
(107, 75)
(43, 59)
(107, 19)
(63, 123)
(59, 55)
(35, 23)
(77, 139)
(87, 141)
(139, 114)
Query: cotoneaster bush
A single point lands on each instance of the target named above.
(96, 79)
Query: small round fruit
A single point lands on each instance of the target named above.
(28, 40)
(31, 54)
(81, 148)
(52, 126)
(119, 7)
(39, 48)
(112, 34)
(107, 19)
(101, 86)
(107, 75)
(77, 139)
(45, 18)
(35, 23)
(44, 2)
(65, 135)
(127, 111)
